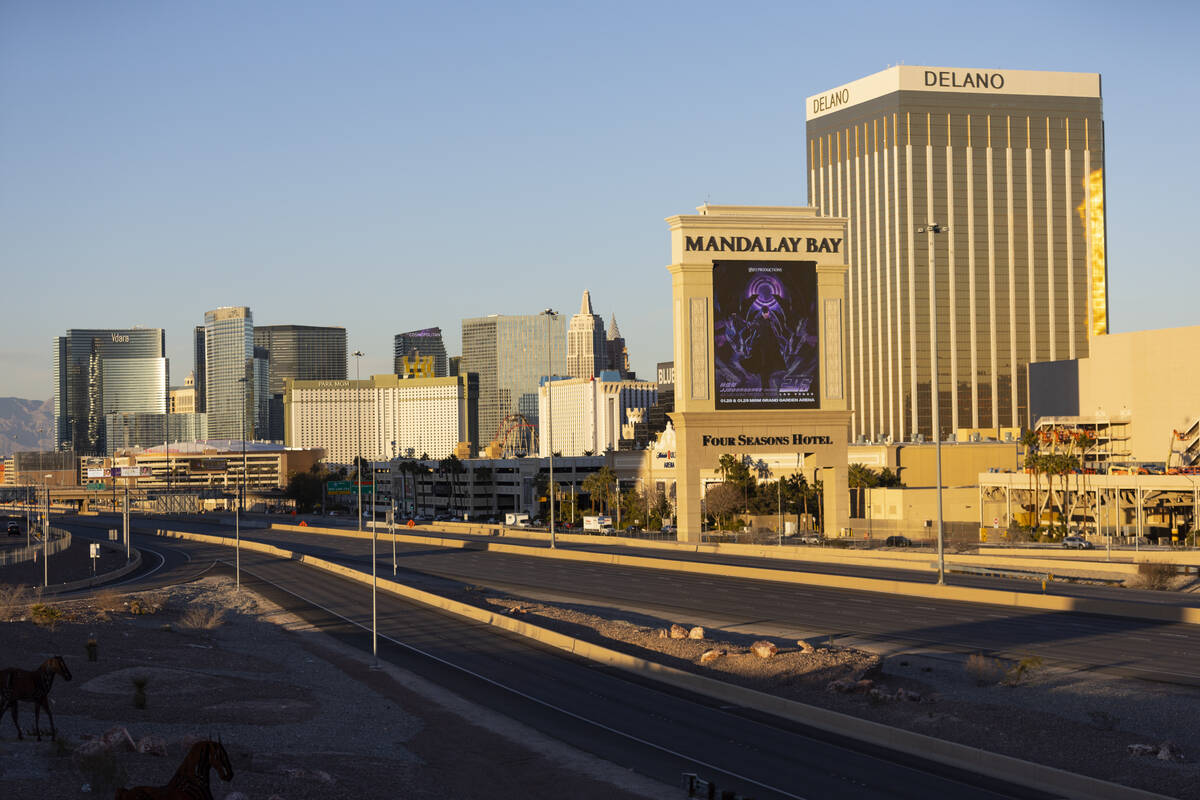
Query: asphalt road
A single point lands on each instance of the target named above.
(659, 733)
(1146, 649)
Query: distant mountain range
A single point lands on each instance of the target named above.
(19, 424)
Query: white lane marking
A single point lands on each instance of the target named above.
(162, 560)
(519, 693)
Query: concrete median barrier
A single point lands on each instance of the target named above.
(961, 594)
(940, 751)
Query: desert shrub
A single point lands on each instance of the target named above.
(101, 769)
(139, 690)
(14, 601)
(49, 616)
(983, 670)
(1022, 669)
(147, 604)
(202, 618)
(1155, 575)
(108, 600)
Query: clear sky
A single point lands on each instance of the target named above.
(390, 166)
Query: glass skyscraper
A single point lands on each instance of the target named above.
(105, 371)
(229, 373)
(509, 354)
(300, 352)
(426, 342)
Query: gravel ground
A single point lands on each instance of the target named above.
(300, 715)
(287, 702)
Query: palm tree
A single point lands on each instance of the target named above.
(726, 465)
(452, 467)
(599, 486)
(861, 477)
(1030, 441)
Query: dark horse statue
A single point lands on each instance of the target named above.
(19, 684)
(190, 781)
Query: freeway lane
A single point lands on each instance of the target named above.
(1153, 650)
(1144, 649)
(658, 733)
(1060, 588)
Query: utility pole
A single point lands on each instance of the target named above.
(125, 522)
(358, 354)
(932, 229)
(779, 506)
(237, 514)
(550, 314)
(45, 542)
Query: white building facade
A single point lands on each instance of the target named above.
(587, 414)
(383, 417)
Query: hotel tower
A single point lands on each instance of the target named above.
(986, 186)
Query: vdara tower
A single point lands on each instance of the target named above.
(986, 187)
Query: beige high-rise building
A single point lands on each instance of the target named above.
(183, 398)
(382, 417)
(587, 346)
(988, 186)
(589, 414)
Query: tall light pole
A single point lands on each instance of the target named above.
(237, 514)
(46, 537)
(550, 314)
(935, 391)
(358, 354)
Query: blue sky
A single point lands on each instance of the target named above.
(390, 166)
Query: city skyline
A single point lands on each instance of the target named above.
(271, 178)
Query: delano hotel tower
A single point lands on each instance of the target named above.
(1009, 164)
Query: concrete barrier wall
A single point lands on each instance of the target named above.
(962, 594)
(120, 572)
(1054, 562)
(1038, 776)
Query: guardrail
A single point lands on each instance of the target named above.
(59, 540)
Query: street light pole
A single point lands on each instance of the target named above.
(550, 314)
(237, 514)
(935, 391)
(358, 354)
(46, 538)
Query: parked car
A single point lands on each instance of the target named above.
(811, 538)
(897, 541)
(1076, 542)
(633, 529)
(14, 529)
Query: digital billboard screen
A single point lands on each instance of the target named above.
(765, 334)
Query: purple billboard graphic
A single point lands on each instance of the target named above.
(765, 334)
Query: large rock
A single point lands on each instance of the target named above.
(711, 655)
(1168, 751)
(152, 745)
(696, 633)
(764, 649)
(118, 738)
(804, 646)
(678, 632)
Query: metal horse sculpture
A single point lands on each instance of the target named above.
(19, 684)
(190, 781)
